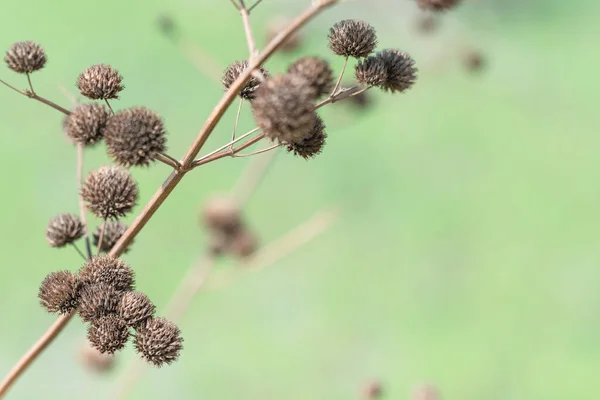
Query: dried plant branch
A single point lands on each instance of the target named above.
(275, 146)
(252, 50)
(254, 5)
(174, 178)
(230, 145)
(339, 80)
(32, 95)
(167, 159)
(223, 154)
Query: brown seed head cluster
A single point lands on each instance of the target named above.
(86, 123)
(390, 69)
(59, 292)
(158, 341)
(312, 145)
(317, 73)
(438, 5)
(102, 292)
(135, 136)
(284, 108)
(25, 57)
(234, 70)
(109, 192)
(64, 229)
(112, 233)
(352, 38)
(100, 81)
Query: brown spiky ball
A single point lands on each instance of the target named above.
(352, 38)
(108, 334)
(109, 192)
(64, 229)
(98, 299)
(59, 292)
(234, 70)
(86, 123)
(25, 57)
(401, 70)
(107, 269)
(312, 145)
(372, 71)
(134, 308)
(284, 108)
(112, 233)
(317, 73)
(158, 341)
(135, 136)
(100, 81)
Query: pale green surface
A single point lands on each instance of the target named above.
(467, 255)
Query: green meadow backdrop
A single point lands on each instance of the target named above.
(467, 254)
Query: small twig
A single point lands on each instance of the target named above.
(109, 107)
(342, 94)
(167, 159)
(235, 125)
(252, 50)
(79, 251)
(224, 154)
(245, 135)
(101, 237)
(258, 151)
(235, 4)
(30, 85)
(254, 5)
(82, 212)
(337, 84)
(34, 96)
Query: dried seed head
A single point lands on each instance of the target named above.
(59, 292)
(401, 71)
(284, 108)
(64, 229)
(108, 334)
(233, 71)
(221, 213)
(352, 38)
(317, 73)
(112, 233)
(100, 81)
(438, 5)
(372, 71)
(244, 243)
(107, 269)
(135, 136)
(158, 341)
(86, 123)
(97, 300)
(276, 26)
(135, 307)
(96, 361)
(25, 57)
(311, 146)
(109, 192)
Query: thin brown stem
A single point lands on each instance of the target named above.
(82, 212)
(235, 4)
(259, 151)
(109, 107)
(175, 177)
(342, 94)
(79, 251)
(235, 125)
(254, 5)
(167, 159)
(34, 96)
(101, 237)
(252, 50)
(224, 154)
(30, 85)
(339, 80)
(245, 135)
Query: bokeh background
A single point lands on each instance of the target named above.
(467, 254)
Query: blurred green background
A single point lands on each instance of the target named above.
(467, 255)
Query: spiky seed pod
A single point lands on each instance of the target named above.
(100, 81)
(112, 233)
(64, 229)
(438, 5)
(134, 308)
(372, 71)
(401, 71)
(107, 269)
(284, 108)
(222, 214)
(233, 71)
(311, 146)
(108, 334)
(158, 341)
(109, 192)
(352, 38)
(317, 73)
(95, 361)
(86, 123)
(244, 243)
(135, 136)
(276, 26)
(25, 57)
(59, 292)
(97, 300)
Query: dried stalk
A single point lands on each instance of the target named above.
(171, 182)
(32, 95)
